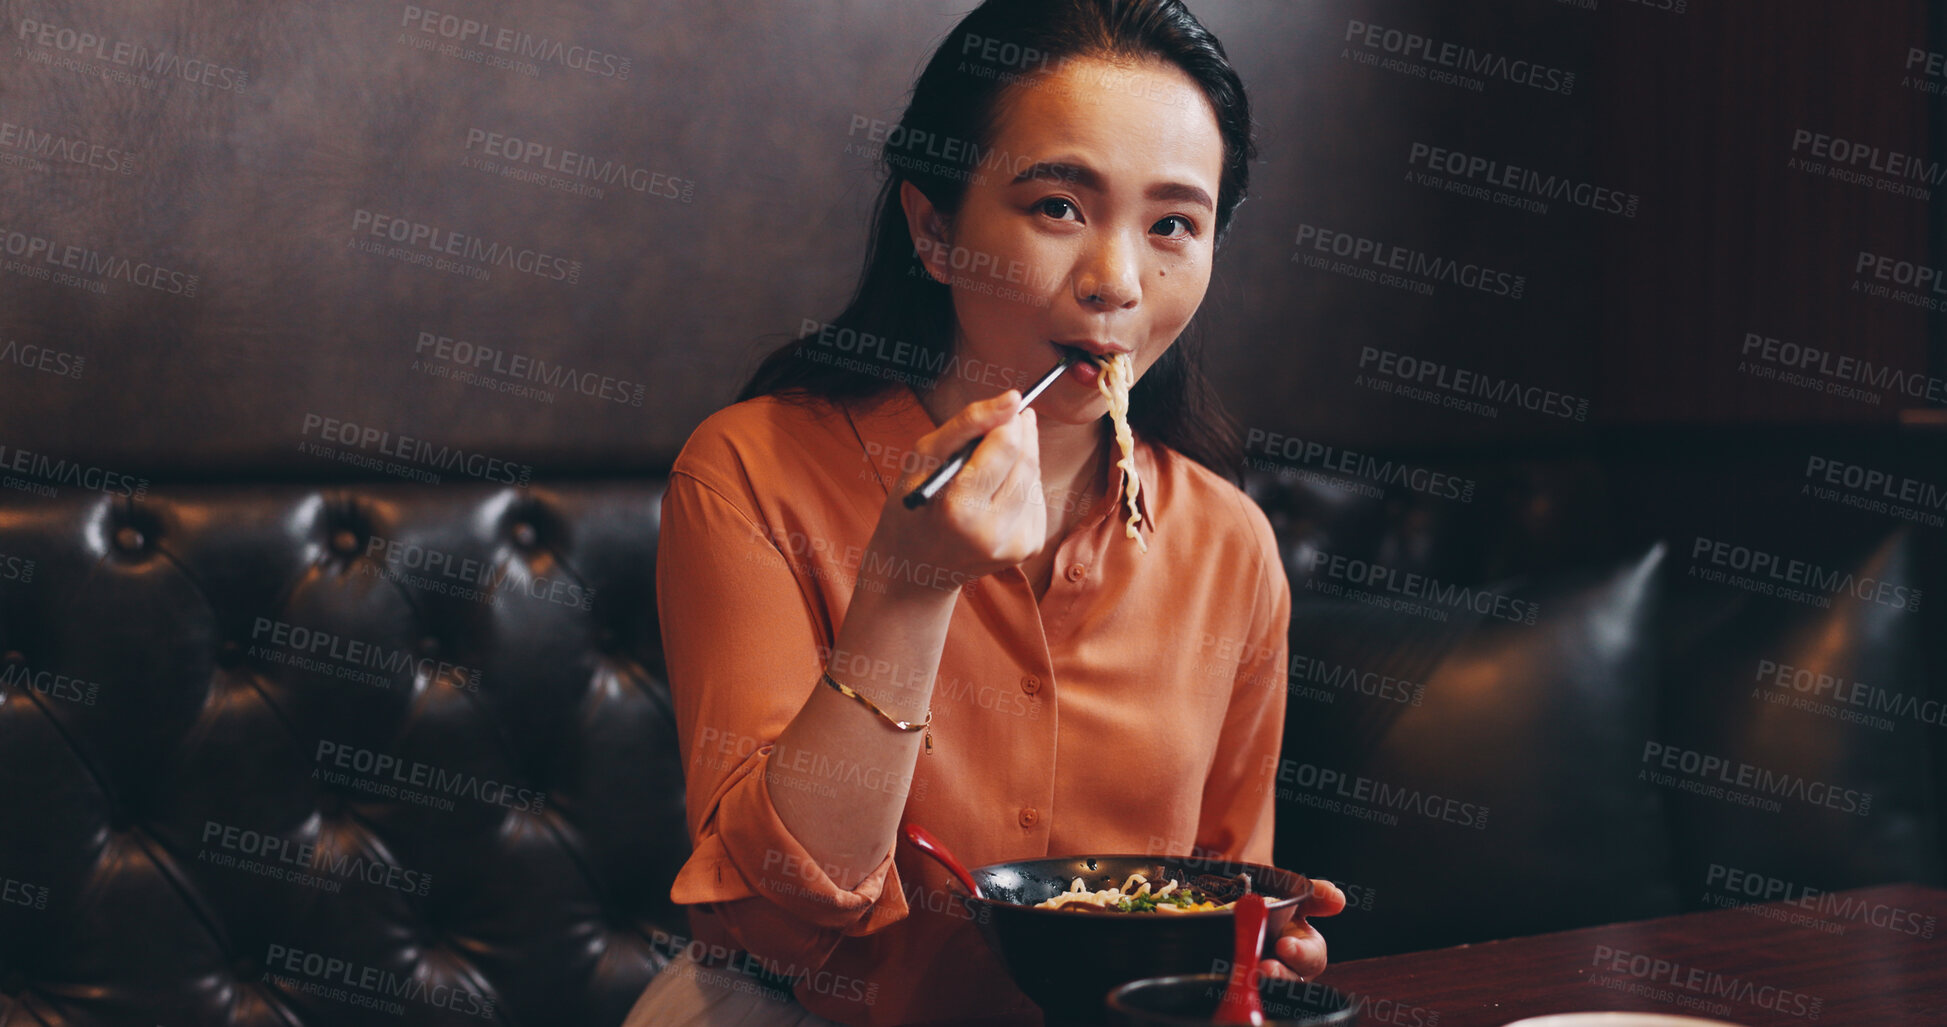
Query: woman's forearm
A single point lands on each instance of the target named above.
(839, 775)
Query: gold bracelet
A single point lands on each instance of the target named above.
(902, 725)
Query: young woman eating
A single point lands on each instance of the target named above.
(1037, 662)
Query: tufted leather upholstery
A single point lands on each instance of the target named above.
(511, 867)
(1547, 728)
(446, 706)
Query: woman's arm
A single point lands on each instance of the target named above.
(741, 642)
(1240, 796)
(888, 649)
(793, 851)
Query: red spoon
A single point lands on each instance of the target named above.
(924, 841)
(1241, 1004)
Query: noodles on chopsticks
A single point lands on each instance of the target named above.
(1117, 375)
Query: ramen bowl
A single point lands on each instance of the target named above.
(1066, 960)
(1192, 1002)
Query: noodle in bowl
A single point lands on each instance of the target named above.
(1138, 894)
(1066, 959)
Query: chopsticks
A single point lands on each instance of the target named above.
(944, 473)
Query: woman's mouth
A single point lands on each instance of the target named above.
(1084, 369)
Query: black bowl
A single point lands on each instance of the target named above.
(1065, 960)
(1192, 1001)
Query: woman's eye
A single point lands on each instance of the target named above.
(1170, 224)
(1055, 207)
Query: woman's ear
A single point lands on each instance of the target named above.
(929, 231)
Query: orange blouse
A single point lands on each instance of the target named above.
(1137, 708)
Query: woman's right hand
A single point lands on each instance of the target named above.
(991, 516)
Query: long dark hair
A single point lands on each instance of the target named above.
(938, 146)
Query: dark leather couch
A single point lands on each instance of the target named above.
(382, 753)
(1664, 737)
(387, 744)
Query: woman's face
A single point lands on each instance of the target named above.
(1089, 222)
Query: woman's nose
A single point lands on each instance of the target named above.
(1108, 276)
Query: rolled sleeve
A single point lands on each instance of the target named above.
(742, 644)
(746, 852)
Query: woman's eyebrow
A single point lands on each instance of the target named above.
(1180, 192)
(1089, 178)
(1061, 171)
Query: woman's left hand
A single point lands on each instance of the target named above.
(1300, 948)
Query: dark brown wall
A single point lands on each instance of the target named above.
(1742, 242)
(256, 190)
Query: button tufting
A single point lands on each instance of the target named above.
(525, 536)
(344, 542)
(14, 658)
(129, 539)
(229, 654)
(429, 647)
(1029, 815)
(1076, 571)
(1030, 684)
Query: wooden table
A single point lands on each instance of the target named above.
(1751, 965)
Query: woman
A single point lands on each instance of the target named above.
(1036, 662)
